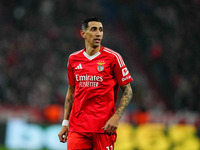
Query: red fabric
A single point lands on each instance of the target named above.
(86, 141)
(96, 82)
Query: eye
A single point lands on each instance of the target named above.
(93, 28)
(101, 29)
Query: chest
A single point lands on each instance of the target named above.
(98, 67)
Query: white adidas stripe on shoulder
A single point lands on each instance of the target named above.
(118, 56)
(77, 52)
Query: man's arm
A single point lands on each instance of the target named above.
(125, 100)
(69, 100)
(113, 122)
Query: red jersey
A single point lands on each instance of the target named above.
(96, 80)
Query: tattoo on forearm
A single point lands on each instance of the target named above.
(69, 103)
(125, 100)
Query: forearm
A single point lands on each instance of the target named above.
(69, 100)
(125, 99)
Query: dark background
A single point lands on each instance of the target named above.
(159, 41)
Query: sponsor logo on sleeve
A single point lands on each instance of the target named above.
(126, 78)
(125, 71)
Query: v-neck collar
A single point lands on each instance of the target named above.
(93, 56)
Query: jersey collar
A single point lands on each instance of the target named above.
(93, 56)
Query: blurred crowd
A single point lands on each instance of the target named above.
(166, 35)
(37, 37)
(36, 40)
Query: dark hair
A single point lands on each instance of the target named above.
(84, 24)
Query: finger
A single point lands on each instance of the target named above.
(109, 130)
(113, 130)
(60, 137)
(106, 128)
(65, 138)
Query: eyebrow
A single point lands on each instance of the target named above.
(96, 27)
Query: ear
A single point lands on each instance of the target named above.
(82, 32)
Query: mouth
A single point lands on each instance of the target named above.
(97, 40)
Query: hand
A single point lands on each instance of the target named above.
(112, 124)
(63, 134)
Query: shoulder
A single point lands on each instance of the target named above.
(75, 55)
(115, 55)
(112, 53)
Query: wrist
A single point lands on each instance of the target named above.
(65, 122)
(117, 115)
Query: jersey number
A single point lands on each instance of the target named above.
(109, 147)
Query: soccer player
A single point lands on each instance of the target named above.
(95, 74)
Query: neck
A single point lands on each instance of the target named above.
(92, 50)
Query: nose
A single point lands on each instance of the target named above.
(98, 33)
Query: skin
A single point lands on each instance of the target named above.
(69, 100)
(112, 124)
(93, 36)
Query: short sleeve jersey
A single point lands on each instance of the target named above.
(96, 80)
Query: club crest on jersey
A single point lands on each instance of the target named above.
(100, 66)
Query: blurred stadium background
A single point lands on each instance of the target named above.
(159, 41)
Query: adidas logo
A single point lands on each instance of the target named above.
(79, 67)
